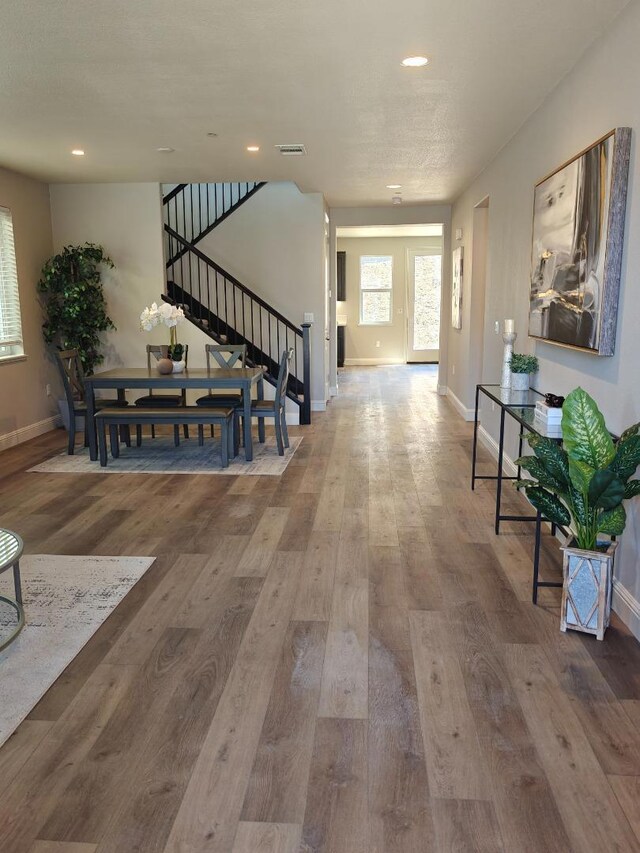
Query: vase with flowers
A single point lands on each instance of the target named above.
(171, 316)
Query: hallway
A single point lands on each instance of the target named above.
(343, 659)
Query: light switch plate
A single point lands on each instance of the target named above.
(308, 317)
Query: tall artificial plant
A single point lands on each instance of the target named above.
(585, 481)
(74, 303)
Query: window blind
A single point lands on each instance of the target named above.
(10, 322)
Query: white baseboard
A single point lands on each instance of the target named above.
(318, 405)
(442, 390)
(458, 405)
(366, 362)
(508, 466)
(333, 391)
(18, 436)
(627, 607)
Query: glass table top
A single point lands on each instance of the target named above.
(526, 416)
(10, 548)
(509, 397)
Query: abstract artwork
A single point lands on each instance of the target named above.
(456, 289)
(578, 229)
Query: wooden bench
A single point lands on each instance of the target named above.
(116, 417)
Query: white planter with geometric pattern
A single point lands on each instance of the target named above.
(586, 591)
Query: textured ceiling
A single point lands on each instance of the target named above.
(120, 78)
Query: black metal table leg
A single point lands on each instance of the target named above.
(500, 461)
(475, 441)
(536, 557)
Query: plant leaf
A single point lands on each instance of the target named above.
(541, 474)
(627, 457)
(613, 521)
(578, 507)
(631, 489)
(606, 491)
(549, 505)
(584, 431)
(552, 455)
(580, 474)
(630, 431)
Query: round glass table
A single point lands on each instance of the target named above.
(11, 611)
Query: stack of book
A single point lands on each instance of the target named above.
(547, 420)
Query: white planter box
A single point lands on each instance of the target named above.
(586, 593)
(519, 381)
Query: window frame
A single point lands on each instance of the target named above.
(362, 290)
(10, 288)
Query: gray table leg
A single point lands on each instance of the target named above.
(246, 410)
(90, 401)
(261, 436)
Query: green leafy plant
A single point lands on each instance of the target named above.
(584, 481)
(74, 303)
(523, 363)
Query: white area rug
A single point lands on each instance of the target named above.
(66, 599)
(159, 456)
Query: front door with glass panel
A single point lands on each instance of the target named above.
(423, 308)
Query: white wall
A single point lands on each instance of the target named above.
(26, 411)
(274, 244)
(126, 219)
(598, 95)
(360, 341)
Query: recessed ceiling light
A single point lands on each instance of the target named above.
(393, 186)
(253, 148)
(78, 152)
(165, 149)
(415, 61)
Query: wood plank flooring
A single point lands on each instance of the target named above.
(343, 659)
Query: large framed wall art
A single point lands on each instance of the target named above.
(578, 232)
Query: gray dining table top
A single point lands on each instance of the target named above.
(194, 375)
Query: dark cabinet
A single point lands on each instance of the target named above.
(342, 277)
(341, 331)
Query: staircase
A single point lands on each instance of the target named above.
(194, 210)
(215, 301)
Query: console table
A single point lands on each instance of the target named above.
(520, 406)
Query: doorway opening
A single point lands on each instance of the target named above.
(389, 294)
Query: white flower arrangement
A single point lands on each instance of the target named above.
(165, 313)
(168, 315)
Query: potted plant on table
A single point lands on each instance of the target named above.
(582, 484)
(522, 366)
(172, 360)
(74, 305)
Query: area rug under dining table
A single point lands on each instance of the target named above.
(160, 456)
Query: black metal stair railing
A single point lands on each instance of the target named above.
(194, 210)
(230, 312)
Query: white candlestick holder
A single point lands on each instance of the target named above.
(509, 340)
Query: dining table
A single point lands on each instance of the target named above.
(215, 378)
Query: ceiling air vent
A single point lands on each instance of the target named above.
(296, 149)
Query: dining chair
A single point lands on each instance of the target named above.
(155, 400)
(70, 368)
(223, 355)
(275, 408)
